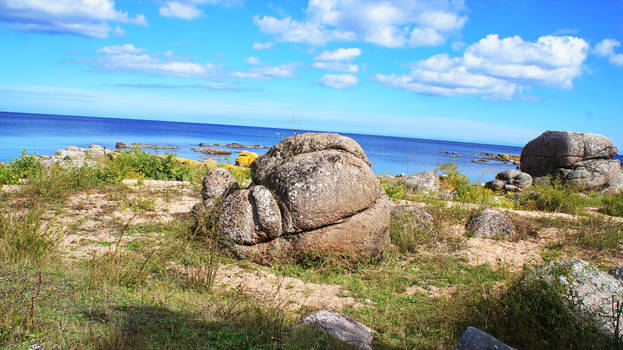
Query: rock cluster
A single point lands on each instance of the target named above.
(311, 194)
(579, 159)
(74, 157)
(510, 181)
(341, 327)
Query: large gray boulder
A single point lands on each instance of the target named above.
(475, 339)
(490, 223)
(249, 216)
(329, 201)
(426, 181)
(588, 290)
(341, 327)
(74, 157)
(579, 159)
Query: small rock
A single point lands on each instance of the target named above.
(341, 327)
(425, 181)
(245, 158)
(617, 272)
(413, 213)
(615, 185)
(216, 184)
(507, 175)
(475, 339)
(37, 346)
(490, 223)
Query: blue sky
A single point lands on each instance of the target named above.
(484, 71)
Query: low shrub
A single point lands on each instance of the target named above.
(23, 167)
(555, 197)
(613, 204)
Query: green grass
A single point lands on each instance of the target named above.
(613, 204)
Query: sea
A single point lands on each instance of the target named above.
(44, 134)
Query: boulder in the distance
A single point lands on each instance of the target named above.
(426, 181)
(490, 223)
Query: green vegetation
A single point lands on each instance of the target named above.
(153, 284)
(613, 205)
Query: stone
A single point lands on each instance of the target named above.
(318, 189)
(361, 236)
(615, 185)
(507, 175)
(475, 339)
(512, 188)
(579, 159)
(490, 223)
(301, 144)
(522, 180)
(216, 184)
(588, 290)
(424, 181)
(328, 200)
(495, 185)
(617, 273)
(249, 216)
(416, 214)
(341, 327)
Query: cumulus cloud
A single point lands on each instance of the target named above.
(337, 66)
(339, 55)
(497, 68)
(606, 47)
(180, 10)
(391, 23)
(268, 72)
(76, 17)
(263, 46)
(128, 58)
(338, 81)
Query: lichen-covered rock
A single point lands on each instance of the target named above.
(615, 185)
(424, 181)
(301, 144)
(588, 290)
(74, 157)
(361, 236)
(341, 327)
(216, 184)
(490, 223)
(319, 187)
(414, 214)
(249, 216)
(245, 158)
(475, 339)
(580, 159)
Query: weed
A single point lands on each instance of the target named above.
(613, 204)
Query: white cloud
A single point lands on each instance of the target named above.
(605, 48)
(337, 66)
(118, 31)
(498, 68)
(338, 81)
(252, 60)
(289, 30)
(391, 23)
(128, 58)
(268, 72)
(180, 10)
(339, 55)
(77, 17)
(263, 46)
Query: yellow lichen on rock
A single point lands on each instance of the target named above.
(181, 160)
(245, 159)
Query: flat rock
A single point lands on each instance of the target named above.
(341, 327)
(475, 339)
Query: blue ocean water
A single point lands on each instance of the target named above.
(45, 134)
